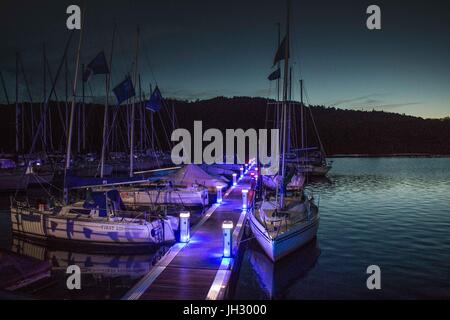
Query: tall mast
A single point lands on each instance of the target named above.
(105, 116)
(285, 91)
(44, 115)
(83, 112)
(72, 109)
(133, 107)
(277, 108)
(17, 103)
(289, 113)
(66, 91)
(30, 97)
(302, 115)
(141, 117)
(152, 141)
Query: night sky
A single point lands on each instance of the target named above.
(201, 49)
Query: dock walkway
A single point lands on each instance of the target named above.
(197, 269)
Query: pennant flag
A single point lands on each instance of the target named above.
(124, 90)
(280, 55)
(97, 66)
(274, 75)
(155, 101)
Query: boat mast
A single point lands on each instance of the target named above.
(105, 115)
(72, 110)
(302, 117)
(17, 103)
(284, 107)
(83, 112)
(132, 109)
(152, 140)
(141, 117)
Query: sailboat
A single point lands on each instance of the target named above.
(101, 219)
(285, 222)
(310, 161)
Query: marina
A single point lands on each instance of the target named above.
(210, 152)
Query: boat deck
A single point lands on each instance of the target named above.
(197, 270)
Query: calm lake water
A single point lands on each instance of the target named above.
(390, 212)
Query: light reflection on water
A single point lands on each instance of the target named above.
(392, 212)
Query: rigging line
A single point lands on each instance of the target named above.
(313, 122)
(147, 60)
(46, 105)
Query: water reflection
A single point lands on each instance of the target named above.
(275, 279)
(103, 274)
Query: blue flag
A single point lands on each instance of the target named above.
(274, 75)
(97, 66)
(281, 51)
(124, 90)
(155, 101)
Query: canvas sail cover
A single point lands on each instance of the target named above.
(192, 174)
(99, 200)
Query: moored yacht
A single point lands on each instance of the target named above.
(102, 219)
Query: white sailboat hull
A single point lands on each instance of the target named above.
(286, 243)
(45, 225)
(186, 197)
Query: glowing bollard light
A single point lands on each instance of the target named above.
(234, 179)
(185, 227)
(219, 194)
(242, 172)
(227, 228)
(244, 198)
(256, 177)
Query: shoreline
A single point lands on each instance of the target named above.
(389, 155)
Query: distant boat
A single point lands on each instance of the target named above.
(101, 219)
(20, 178)
(192, 175)
(284, 222)
(144, 196)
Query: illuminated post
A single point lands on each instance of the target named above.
(244, 198)
(241, 169)
(227, 227)
(219, 194)
(184, 227)
(234, 179)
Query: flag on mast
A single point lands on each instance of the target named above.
(124, 90)
(280, 55)
(155, 101)
(97, 66)
(274, 75)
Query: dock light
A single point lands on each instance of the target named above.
(244, 198)
(242, 172)
(227, 228)
(185, 227)
(234, 179)
(219, 194)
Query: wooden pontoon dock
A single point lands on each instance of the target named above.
(197, 269)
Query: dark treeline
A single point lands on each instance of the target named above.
(341, 131)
